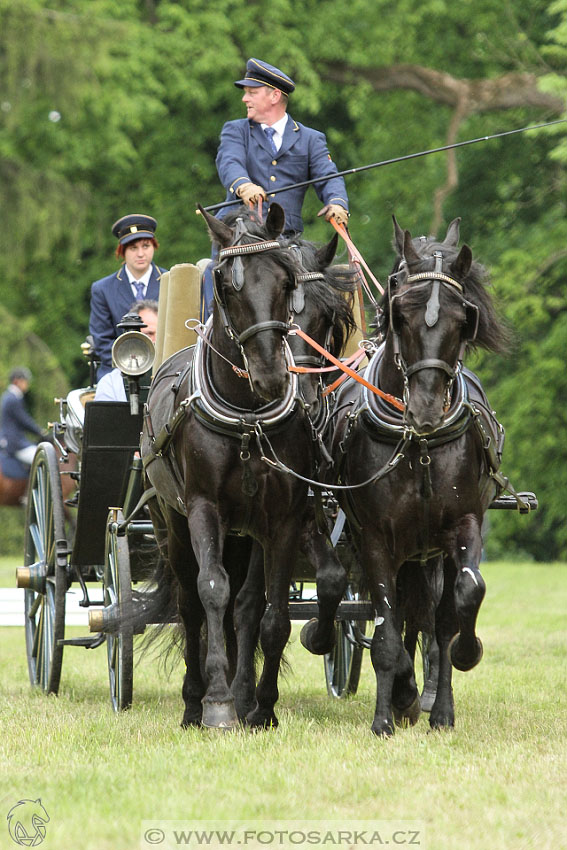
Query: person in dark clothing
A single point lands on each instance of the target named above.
(268, 150)
(138, 278)
(15, 420)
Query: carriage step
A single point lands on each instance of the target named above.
(509, 503)
(87, 642)
(348, 610)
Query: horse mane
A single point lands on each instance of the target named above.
(329, 294)
(492, 334)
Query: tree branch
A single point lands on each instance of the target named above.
(508, 91)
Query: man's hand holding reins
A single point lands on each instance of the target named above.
(335, 211)
(250, 193)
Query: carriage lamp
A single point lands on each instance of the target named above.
(134, 354)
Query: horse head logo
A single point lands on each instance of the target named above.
(26, 823)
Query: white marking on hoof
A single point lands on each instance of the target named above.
(468, 570)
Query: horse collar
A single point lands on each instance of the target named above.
(219, 415)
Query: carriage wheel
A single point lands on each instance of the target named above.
(45, 581)
(117, 589)
(343, 664)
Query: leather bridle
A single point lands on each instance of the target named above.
(434, 279)
(238, 251)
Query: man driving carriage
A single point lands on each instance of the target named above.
(269, 149)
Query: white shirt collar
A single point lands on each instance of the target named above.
(279, 128)
(145, 279)
(15, 390)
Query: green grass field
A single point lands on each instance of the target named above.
(496, 781)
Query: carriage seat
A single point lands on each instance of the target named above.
(359, 334)
(75, 417)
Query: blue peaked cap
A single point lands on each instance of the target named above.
(259, 73)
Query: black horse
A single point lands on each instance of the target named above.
(420, 481)
(222, 422)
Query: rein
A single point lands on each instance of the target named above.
(201, 330)
(359, 261)
(395, 402)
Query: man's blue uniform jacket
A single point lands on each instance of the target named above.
(245, 156)
(111, 299)
(15, 421)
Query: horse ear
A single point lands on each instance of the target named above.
(218, 230)
(275, 220)
(324, 256)
(452, 237)
(409, 251)
(461, 266)
(398, 236)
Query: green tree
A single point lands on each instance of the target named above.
(110, 107)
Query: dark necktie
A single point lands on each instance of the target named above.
(139, 291)
(269, 131)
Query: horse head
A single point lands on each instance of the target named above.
(253, 281)
(433, 313)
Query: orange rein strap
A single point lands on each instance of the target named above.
(317, 370)
(354, 360)
(395, 402)
(357, 257)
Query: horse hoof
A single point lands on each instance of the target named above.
(442, 722)
(188, 722)
(306, 638)
(260, 720)
(383, 729)
(219, 715)
(462, 661)
(407, 716)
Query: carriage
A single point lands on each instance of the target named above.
(115, 542)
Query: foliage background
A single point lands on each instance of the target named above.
(114, 106)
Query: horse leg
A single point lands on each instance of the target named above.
(386, 648)
(275, 627)
(213, 587)
(442, 714)
(406, 706)
(236, 560)
(176, 548)
(465, 649)
(318, 635)
(248, 609)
